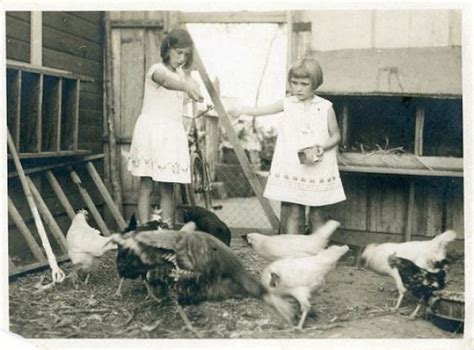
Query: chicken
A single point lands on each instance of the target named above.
(425, 254)
(277, 247)
(418, 281)
(129, 265)
(193, 267)
(299, 277)
(85, 245)
(206, 221)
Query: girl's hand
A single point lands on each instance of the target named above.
(319, 152)
(193, 90)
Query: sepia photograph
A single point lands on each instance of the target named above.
(195, 172)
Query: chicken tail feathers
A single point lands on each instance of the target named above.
(327, 229)
(282, 306)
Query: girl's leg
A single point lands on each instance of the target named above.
(317, 218)
(167, 202)
(295, 219)
(144, 195)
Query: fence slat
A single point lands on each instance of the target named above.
(60, 193)
(26, 233)
(89, 202)
(106, 195)
(36, 265)
(47, 216)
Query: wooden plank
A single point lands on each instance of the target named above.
(153, 40)
(27, 67)
(429, 202)
(21, 15)
(60, 193)
(233, 17)
(68, 23)
(13, 103)
(75, 131)
(59, 115)
(71, 44)
(454, 209)
(47, 216)
(17, 29)
(25, 232)
(69, 107)
(89, 202)
(399, 171)
(83, 67)
(290, 54)
(36, 53)
(137, 23)
(93, 17)
(30, 104)
(419, 124)
(27, 155)
(106, 195)
(34, 266)
(239, 151)
(18, 50)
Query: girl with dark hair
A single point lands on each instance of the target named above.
(159, 150)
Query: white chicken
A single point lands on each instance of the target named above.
(277, 247)
(299, 277)
(85, 245)
(425, 254)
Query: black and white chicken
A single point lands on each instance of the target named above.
(129, 265)
(206, 221)
(194, 267)
(419, 282)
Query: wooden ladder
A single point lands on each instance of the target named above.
(48, 218)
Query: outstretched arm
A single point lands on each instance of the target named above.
(188, 86)
(257, 111)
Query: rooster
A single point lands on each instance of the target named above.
(299, 277)
(418, 281)
(277, 247)
(206, 221)
(194, 267)
(85, 245)
(425, 254)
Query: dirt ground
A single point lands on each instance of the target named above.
(354, 303)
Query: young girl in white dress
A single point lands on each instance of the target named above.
(308, 122)
(159, 150)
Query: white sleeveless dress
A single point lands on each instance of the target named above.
(159, 146)
(290, 181)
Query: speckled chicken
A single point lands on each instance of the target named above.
(129, 265)
(85, 245)
(277, 247)
(194, 266)
(206, 221)
(299, 277)
(418, 281)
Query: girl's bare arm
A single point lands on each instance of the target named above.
(274, 108)
(334, 133)
(189, 86)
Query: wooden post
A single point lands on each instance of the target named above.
(25, 232)
(419, 126)
(289, 41)
(345, 124)
(239, 151)
(36, 38)
(110, 115)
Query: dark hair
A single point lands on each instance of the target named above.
(307, 68)
(177, 38)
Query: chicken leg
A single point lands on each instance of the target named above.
(118, 292)
(413, 314)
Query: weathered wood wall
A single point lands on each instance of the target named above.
(72, 41)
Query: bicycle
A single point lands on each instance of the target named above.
(198, 192)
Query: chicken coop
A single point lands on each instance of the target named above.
(74, 91)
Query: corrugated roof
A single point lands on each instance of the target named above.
(435, 71)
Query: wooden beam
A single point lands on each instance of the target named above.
(289, 39)
(59, 115)
(75, 131)
(36, 38)
(106, 195)
(57, 165)
(398, 171)
(48, 217)
(136, 23)
(233, 17)
(32, 68)
(39, 118)
(239, 151)
(89, 202)
(79, 152)
(25, 232)
(60, 194)
(345, 123)
(419, 125)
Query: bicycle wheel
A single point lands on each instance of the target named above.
(200, 187)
